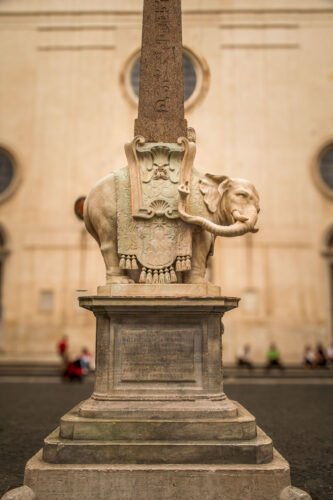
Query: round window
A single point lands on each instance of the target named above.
(6, 171)
(195, 71)
(189, 74)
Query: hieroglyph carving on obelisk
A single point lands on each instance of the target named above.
(161, 93)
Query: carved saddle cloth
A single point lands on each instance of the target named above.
(159, 237)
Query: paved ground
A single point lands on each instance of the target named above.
(299, 418)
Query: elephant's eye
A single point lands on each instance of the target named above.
(242, 193)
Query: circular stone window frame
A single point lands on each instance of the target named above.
(315, 169)
(201, 86)
(10, 190)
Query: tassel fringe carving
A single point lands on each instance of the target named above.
(128, 262)
(160, 277)
(143, 275)
(157, 276)
(149, 278)
(183, 263)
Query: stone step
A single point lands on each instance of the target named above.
(253, 451)
(157, 409)
(154, 481)
(73, 426)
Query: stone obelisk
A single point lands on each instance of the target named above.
(161, 94)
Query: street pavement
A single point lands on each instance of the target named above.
(298, 416)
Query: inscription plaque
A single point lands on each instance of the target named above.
(158, 356)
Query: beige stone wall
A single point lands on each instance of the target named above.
(267, 111)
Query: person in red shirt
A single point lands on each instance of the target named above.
(63, 348)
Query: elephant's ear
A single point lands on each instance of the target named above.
(213, 187)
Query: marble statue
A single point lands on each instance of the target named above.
(156, 220)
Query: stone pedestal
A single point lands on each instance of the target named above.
(158, 423)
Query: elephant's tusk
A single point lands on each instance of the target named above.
(238, 216)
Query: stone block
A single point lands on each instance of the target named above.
(145, 427)
(149, 482)
(258, 450)
(157, 409)
(170, 290)
(161, 348)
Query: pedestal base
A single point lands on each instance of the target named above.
(152, 482)
(133, 440)
(158, 424)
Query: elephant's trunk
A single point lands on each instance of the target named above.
(237, 229)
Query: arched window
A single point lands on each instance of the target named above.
(323, 169)
(3, 254)
(9, 177)
(326, 167)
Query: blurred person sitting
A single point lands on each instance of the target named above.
(309, 359)
(73, 372)
(273, 358)
(320, 356)
(85, 360)
(244, 358)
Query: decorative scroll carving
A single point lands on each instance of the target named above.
(155, 172)
(156, 242)
(134, 172)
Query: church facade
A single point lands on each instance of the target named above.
(258, 91)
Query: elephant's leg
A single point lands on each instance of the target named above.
(201, 245)
(110, 255)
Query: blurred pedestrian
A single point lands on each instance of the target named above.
(273, 358)
(309, 359)
(63, 348)
(320, 356)
(244, 357)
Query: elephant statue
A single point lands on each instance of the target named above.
(208, 207)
